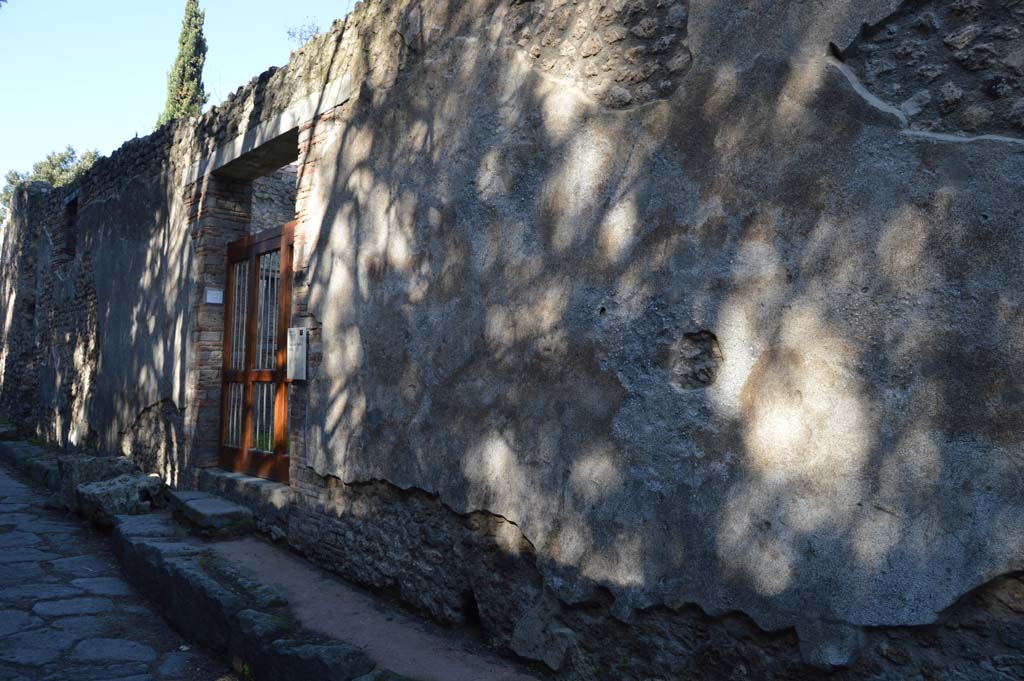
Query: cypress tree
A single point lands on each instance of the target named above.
(185, 92)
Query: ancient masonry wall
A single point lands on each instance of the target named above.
(104, 277)
(656, 340)
(273, 199)
(17, 269)
(141, 227)
(949, 67)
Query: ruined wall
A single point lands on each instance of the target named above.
(17, 273)
(107, 343)
(109, 290)
(659, 339)
(744, 343)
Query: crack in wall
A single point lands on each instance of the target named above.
(522, 614)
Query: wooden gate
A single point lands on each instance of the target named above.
(254, 406)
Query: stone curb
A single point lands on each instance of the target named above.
(201, 595)
(39, 464)
(205, 599)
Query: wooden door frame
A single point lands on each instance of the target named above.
(245, 458)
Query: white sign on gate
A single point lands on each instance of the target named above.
(297, 354)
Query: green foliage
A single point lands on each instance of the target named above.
(264, 441)
(58, 169)
(302, 34)
(185, 92)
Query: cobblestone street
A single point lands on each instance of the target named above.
(65, 610)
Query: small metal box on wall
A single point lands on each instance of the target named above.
(297, 353)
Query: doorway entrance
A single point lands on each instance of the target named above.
(254, 396)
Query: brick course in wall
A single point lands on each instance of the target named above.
(219, 213)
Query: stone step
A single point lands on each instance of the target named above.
(270, 502)
(211, 516)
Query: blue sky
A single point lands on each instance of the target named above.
(93, 73)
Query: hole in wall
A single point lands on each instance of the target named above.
(471, 610)
(273, 198)
(694, 360)
(70, 227)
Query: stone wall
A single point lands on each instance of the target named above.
(108, 291)
(648, 337)
(950, 65)
(620, 53)
(154, 442)
(273, 200)
(479, 570)
(722, 351)
(105, 313)
(17, 272)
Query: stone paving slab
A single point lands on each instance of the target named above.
(104, 586)
(66, 612)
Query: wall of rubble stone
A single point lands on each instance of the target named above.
(17, 274)
(657, 339)
(273, 200)
(479, 570)
(156, 440)
(955, 67)
(109, 290)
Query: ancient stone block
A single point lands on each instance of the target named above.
(210, 515)
(79, 470)
(124, 495)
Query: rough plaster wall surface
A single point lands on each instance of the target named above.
(142, 262)
(737, 342)
(749, 347)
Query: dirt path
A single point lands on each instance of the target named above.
(331, 607)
